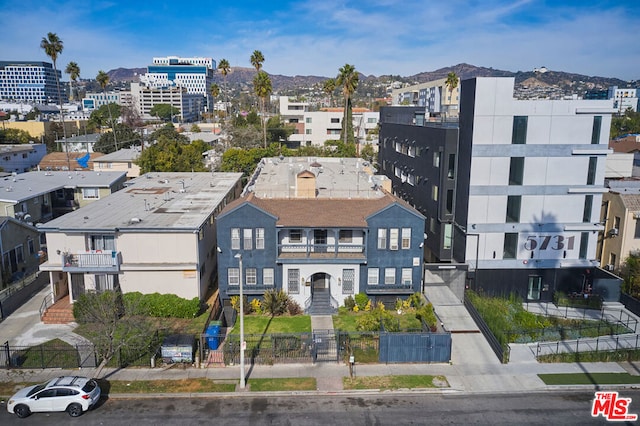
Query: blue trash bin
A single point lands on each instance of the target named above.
(213, 339)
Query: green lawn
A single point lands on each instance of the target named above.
(346, 321)
(589, 379)
(261, 324)
(284, 384)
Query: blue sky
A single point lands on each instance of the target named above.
(317, 37)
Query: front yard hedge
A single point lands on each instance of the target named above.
(162, 305)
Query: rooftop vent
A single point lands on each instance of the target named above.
(135, 220)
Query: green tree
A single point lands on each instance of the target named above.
(630, 271)
(624, 124)
(329, 87)
(451, 82)
(347, 79)
(195, 128)
(52, 46)
(263, 89)
(103, 80)
(257, 59)
(172, 155)
(127, 136)
(245, 137)
(214, 90)
(16, 136)
(74, 72)
(277, 131)
(103, 117)
(225, 69)
(368, 153)
(168, 131)
(164, 111)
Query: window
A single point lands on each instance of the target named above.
(510, 246)
(251, 276)
(595, 133)
(451, 169)
(372, 276)
(233, 275)
(434, 192)
(436, 159)
(588, 204)
(293, 282)
(637, 231)
(104, 282)
(393, 239)
(407, 276)
(382, 239)
(335, 120)
(102, 242)
(432, 225)
(591, 173)
(612, 259)
(519, 133)
(447, 242)
(348, 279)
(346, 236)
(535, 284)
(308, 120)
(235, 238)
(247, 240)
(267, 277)
(19, 254)
(584, 245)
(307, 131)
(389, 276)
(295, 236)
(90, 193)
(449, 201)
(513, 208)
(31, 247)
(406, 238)
(516, 170)
(259, 238)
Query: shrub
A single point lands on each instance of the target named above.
(371, 320)
(416, 300)
(349, 303)
(427, 314)
(109, 302)
(235, 304)
(361, 301)
(162, 305)
(293, 307)
(256, 306)
(275, 302)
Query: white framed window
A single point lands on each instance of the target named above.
(373, 276)
(393, 239)
(267, 277)
(407, 276)
(90, 193)
(382, 238)
(251, 276)
(406, 238)
(233, 276)
(389, 276)
(259, 238)
(235, 238)
(247, 238)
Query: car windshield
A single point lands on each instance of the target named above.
(91, 385)
(36, 389)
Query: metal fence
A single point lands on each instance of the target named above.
(598, 344)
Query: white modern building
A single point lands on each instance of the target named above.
(624, 99)
(29, 81)
(435, 96)
(189, 105)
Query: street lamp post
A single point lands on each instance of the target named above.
(242, 344)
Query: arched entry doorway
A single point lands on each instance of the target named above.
(321, 293)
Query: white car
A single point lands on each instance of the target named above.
(72, 394)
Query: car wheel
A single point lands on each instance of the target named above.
(21, 411)
(74, 410)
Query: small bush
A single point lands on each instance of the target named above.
(427, 314)
(294, 307)
(416, 300)
(361, 301)
(256, 306)
(246, 306)
(349, 303)
(371, 320)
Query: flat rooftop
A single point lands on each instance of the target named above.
(153, 202)
(25, 186)
(336, 178)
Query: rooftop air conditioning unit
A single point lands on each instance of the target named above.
(608, 267)
(613, 232)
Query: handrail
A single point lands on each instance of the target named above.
(48, 301)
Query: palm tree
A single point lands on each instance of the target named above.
(52, 46)
(225, 68)
(103, 80)
(451, 83)
(262, 88)
(214, 90)
(257, 59)
(347, 79)
(329, 87)
(74, 72)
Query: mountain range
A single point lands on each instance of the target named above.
(240, 76)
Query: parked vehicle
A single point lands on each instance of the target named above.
(73, 394)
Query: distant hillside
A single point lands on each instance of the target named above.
(568, 82)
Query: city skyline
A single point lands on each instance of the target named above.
(317, 38)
